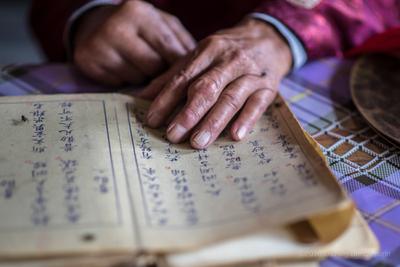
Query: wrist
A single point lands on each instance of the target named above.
(269, 36)
(90, 21)
(297, 48)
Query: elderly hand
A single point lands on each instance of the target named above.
(237, 70)
(128, 43)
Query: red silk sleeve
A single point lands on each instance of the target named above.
(332, 27)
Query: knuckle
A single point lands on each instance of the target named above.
(214, 40)
(174, 19)
(213, 123)
(117, 32)
(199, 101)
(146, 5)
(209, 84)
(241, 60)
(231, 99)
(205, 88)
(241, 57)
(166, 39)
(134, 9)
(133, 6)
(192, 113)
(182, 77)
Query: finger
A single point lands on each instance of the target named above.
(114, 63)
(175, 89)
(143, 56)
(100, 74)
(229, 103)
(152, 90)
(127, 72)
(180, 31)
(202, 95)
(255, 106)
(157, 84)
(93, 66)
(163, 40)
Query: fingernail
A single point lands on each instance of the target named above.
(241, 132)
(175, 132)
(202, 138)
(152, 119)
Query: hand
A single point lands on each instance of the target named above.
(129, 43)
(233, 71)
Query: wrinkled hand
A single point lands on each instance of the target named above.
(233, 71)
(128, 43)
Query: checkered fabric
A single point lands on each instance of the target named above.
(364, 163)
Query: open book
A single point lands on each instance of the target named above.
(81, 175)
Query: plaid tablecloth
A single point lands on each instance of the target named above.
(364, 163)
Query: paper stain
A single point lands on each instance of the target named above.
(20, 121)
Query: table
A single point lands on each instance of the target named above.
(363, 162)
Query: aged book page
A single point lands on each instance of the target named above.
(186, 198)
(62, 185)
(82, 173)
(272, 247)
(276, 244)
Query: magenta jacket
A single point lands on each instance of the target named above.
(329, 29)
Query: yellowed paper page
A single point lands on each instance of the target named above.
(185, 198)
(62, 185)
(276, 246)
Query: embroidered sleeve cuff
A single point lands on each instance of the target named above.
(299, 53)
